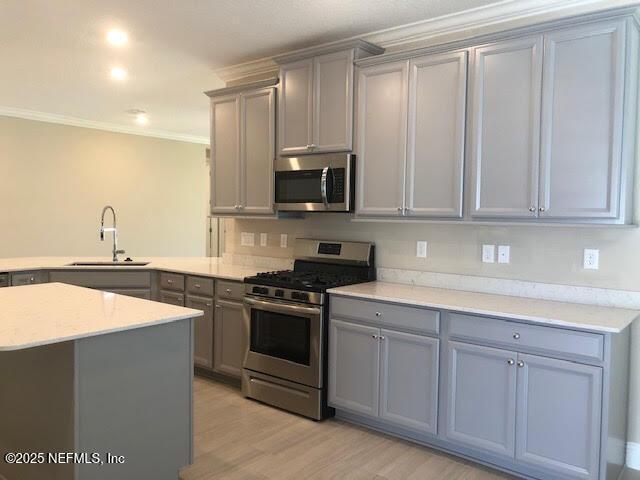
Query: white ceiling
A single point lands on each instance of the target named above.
(55, 58)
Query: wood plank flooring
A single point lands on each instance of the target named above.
(237, 438)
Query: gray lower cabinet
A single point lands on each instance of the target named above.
(27, 278)
(229, 338)
(131, 283)
(173, 298)
(4, 280)
(203, 331)
(558, 416)
(481, 398)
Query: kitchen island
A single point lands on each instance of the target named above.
(93, 385)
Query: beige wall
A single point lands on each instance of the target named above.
(55, 179)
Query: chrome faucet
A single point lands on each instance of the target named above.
(113, 230)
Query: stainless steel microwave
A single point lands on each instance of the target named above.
(315, 183)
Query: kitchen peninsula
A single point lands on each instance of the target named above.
(94, 373)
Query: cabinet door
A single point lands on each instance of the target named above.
(409, 380)
(354, 367)
(505, 129)
(333, 102)
(559, 410)
(582, 122)
(203, 341)
(258, 151)
(435, 150)
(382, 138)
(295, 108)
(225, 154)
(229, 339)
(481, 398)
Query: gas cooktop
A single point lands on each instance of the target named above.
(312, 281)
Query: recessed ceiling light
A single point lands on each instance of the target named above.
(142, 119)
(118, 73)
(117, 38)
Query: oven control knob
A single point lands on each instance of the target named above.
(279, 293)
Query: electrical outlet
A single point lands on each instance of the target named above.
(263, 239)
(504, 253)
(591, 259)
(421, 249)
(283, 240)
(488, 253)
(247, 239)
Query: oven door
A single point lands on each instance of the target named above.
(285, 340)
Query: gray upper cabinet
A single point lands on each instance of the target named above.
(295, 108)
(243, 149)
(582, 116)
(558, 421)
(354, 357)
(436, 135)
(382, 138)
(481, 398)
(409, 380)
(505, 128)
(315, 111)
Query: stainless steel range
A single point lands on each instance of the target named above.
(286, 317)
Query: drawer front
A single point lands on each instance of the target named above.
(399, 316)
(28, 278)
(172, 281)
(102, 279)
(172, 297)
(231, 290)
(200, 286)
(4, 280)
(533, 338)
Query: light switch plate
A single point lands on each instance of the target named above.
(489, 253)
(283, 240)
(421, 249)
(263, 239)
(591, 259)
(504, 253)
(247, 239)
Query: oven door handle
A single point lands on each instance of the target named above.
(281, 307)
(323, 187)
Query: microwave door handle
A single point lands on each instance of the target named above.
(323, 187)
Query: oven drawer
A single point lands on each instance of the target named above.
(230, 290)
(200, 286)
(521, 336)
(172, 281)
(409, 318)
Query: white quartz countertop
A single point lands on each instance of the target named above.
(203, 266)
(573, 315)
(36, 315)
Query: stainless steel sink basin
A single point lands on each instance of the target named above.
(108, 264)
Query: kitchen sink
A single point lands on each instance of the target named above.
(107, 264)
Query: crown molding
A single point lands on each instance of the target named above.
(262, 66)
(106, 126)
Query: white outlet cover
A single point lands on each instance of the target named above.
(247, 239)
(421, 249)
(591, 259)
(263, 239)
(504, 253)
(489, 253)
(283, 240)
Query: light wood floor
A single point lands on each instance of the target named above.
(236, 438)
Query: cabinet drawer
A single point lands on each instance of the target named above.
(231, 290)
(172, 297)
(409, 318)
(28, 278)
(521, 336)
(4, 280)
(172, 281)
(200, 286)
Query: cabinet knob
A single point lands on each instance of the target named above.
(510, 361)
(218, 306)
(520, 363)
(228, 290)
(378, 314)
(196, 285)
(32, 279)
(542, 209)
(374, 336)
(407, 209)
(400, 209)
(532, 209)
(170, 281)
(380, 337)
(208, 304)
(516, 336)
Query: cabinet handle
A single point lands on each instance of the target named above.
(532, 209)
(170, 282)
(32, 279)
(381, 337)
(378, 314)
(516, 336)
(208, 304)
(228, 290)
(510, 361)
(542, 209)
(400, 209)
(196, 285)
(520, 363)
(407, 209)
(218, 306)
(374, 336)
